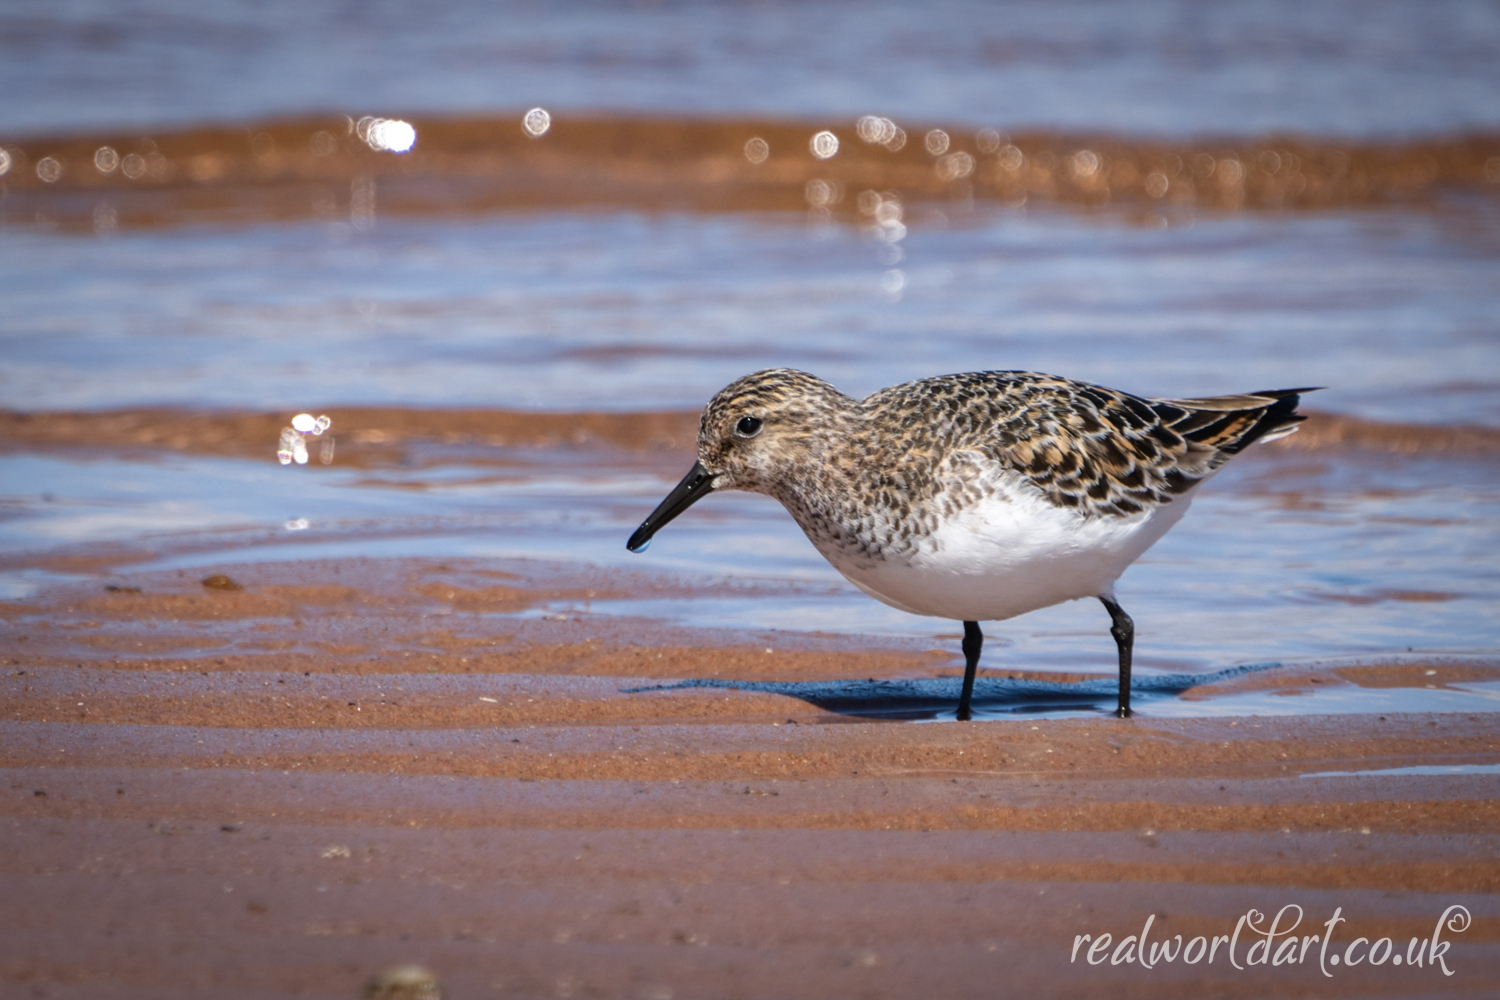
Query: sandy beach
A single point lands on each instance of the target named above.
(343, 347)
(262, 778)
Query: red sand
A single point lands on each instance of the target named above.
(304, 168)
(343, 766)
(288, 788)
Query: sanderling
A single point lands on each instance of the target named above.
(974, 497)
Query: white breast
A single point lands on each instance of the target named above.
(1008, 554)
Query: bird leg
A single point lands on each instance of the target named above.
(1123, 629)
(973, 642)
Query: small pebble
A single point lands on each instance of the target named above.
(405, 982)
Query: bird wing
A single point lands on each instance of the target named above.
(1230, 423)
(1102, 451)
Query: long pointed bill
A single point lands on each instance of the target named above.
(699, 482)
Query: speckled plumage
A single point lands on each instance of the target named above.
(973, 497)
(876, 474)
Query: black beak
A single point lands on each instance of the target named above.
(699, 482)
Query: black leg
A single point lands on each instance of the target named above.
(1123, 629)
(973, 643)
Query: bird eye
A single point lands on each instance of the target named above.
(748, 427)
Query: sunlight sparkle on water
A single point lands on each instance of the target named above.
(1084, 163)
(537, 122)
(955, 166)
(877, 131)
(389, 135)
(293, 444)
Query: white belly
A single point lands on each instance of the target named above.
(1008, 555)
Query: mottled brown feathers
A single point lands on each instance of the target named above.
(905, 451)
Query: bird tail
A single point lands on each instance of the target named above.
(1230, 424)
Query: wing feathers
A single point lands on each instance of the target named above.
(1134, 453)
(1083, 446)
(1229, 424)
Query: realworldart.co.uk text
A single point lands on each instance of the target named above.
(1258, 943)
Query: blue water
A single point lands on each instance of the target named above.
(1161, 66)
(1282, 558)
(1393, 310)
(1421, 770)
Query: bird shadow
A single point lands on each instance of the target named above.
(937, 697)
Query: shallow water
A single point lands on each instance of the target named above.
(1391, 309)
(319, 290)
(1284, 557)
(344, 767)
(1425, 771)
(1153, 695)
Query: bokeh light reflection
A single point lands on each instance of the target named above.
(322, 144)
(893, 282)
(106, 160)
(1084, 163)
(823, 194)
(824, 145)
(877, 131)
(292, 446)
(387, 135)
(757, 150)
(362, 202)
(106, 218)
(954, 166)
(537, 122)
(886, 212)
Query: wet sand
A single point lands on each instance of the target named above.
(370, 436)
(269, 732)
(325, 167)
(299, 774)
